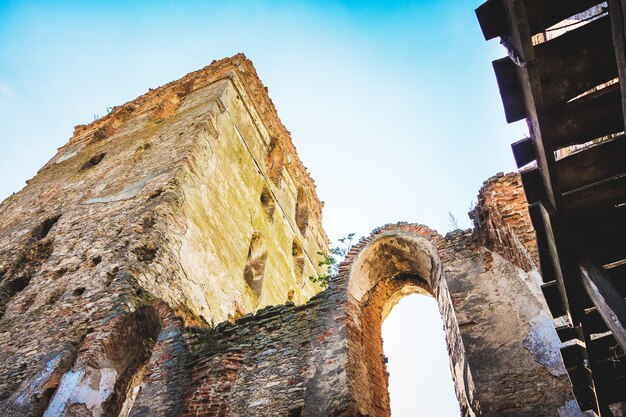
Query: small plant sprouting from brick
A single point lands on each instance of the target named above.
(454, 223)
(332, 260)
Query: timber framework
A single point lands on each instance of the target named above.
(563, 75)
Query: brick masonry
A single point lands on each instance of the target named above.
(158, 264)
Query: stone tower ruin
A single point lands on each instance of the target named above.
(158, 266)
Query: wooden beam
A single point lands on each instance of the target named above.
(613, 390)
(510, 91)
(618, 278)
(552, 295)
(599, 195)
(580, 376)
(597, 355)
(581, 171)
(589, 117)
(492, 19)
(559, 257)
(524, 151)
(566, 333)
(608, 351)
(601, 236)
(545, 261)
(519, 43)
(546, 13)
(617, 13)
(533, 185)
(576, 61)
(593, 322)
(593, 164)
(610, 304)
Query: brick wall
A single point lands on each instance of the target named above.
(325, 357)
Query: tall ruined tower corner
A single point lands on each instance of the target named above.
(188, 203)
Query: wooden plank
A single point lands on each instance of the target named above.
(533, 185)
(573, 357)
(593, 322)
(617, 14)
(598, 355)
(546, 13)
(618, 278)
(599, 195)
(519, 44)
(609, 303)
(510, 91)
(566, 333)
(491, 16)
(550, 255)
(581, 170)
(589, 117)
(613, 389)
(601, 235)
(524, 151)
(552, 295)
(593, 164)
(577, 61)
(607, 253)
(560, 261)
(545, 261)
(606, 350)
(593, 363)
(607, 368)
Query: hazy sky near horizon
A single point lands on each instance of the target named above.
(392, 105)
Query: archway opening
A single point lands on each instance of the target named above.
(387, 270)
(418, 365)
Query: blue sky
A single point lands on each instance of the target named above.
(393, 106)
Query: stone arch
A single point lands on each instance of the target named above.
(382, 270)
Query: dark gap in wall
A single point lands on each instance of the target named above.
(295, 412)
(302, 211)
(44, 228)
(145, 251)
(93, 161)
(275, 161)
(25, 266)
(254, 270)
(96, 260)
(268, 203)
(298, 260)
